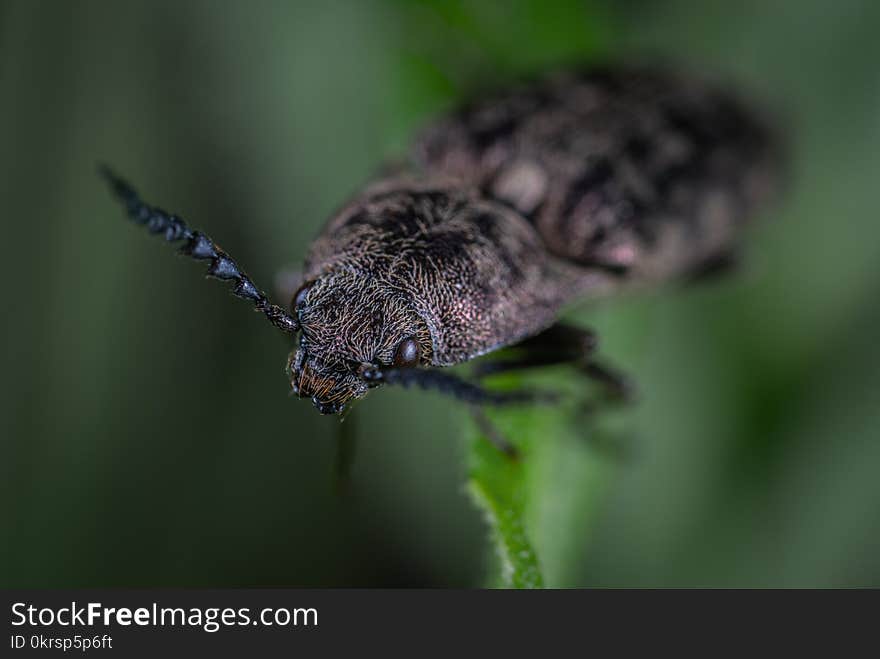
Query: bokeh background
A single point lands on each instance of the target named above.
(147, 436)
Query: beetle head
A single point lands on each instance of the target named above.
(353, 326)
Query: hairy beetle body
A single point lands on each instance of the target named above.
(636, 171)
(473, 270)
(569, 187)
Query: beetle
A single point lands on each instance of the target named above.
(558, 190)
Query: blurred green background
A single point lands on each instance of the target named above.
(147, 436)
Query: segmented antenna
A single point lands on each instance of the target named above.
(198, 246)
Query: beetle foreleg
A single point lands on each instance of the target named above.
(563, 344)
(716, 266)
(459, 388)
(492, 434)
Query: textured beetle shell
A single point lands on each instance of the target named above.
(641, 171)
(473, 270)
(517, 205)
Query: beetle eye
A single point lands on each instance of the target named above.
(407, 354)
(300, 298)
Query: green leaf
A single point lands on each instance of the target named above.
(519, 564)
(539, 505)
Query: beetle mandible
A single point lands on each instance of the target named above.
(562, 189)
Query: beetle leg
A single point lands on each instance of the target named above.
(559, 344)
(492, 434)
(617, 386)
(716, 266)
(457, 387)
(562, 344)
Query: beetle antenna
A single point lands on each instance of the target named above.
(198, 246)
